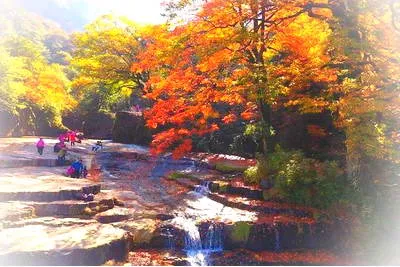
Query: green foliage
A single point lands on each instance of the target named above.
(228, 139)
(179, 175)
(241, 232)
(254, 174)
(31, 89)
(300, 180)
(103, 57)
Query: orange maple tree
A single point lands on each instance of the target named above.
(234, 59)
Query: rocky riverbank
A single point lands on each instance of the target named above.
(137, 210)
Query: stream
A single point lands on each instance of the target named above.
(144, 178)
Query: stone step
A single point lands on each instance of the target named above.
(55, 243)
(71, 208)
(265, 207)
(235, 186)
(22, 162)
(42, 184)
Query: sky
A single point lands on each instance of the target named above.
(73, 15)
(142, 11)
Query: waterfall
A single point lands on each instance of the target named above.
(203, 188)
(170, 243)
(213, 242)
(197, 251)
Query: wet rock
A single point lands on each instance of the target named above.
(164, 217)
(168, 236)
(82, 244)
(280, 236)
(129, 128)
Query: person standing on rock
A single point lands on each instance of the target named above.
(72, 138)
(40, 146)
(61, 156)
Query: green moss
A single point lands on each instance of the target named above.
(215, 187)
(226, 168)
(223, 187)
(241, 232)
(178, 175)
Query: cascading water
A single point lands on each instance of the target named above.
(170, 244)
(197, 251)
(203, 188)
(213, 242)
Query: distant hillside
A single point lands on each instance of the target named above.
(71, 17)
(16, 21)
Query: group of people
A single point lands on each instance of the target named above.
(77, 169)
(71, 136)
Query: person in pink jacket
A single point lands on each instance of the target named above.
(40, 146)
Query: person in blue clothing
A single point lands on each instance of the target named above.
(78, 168)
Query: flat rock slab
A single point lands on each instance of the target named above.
(116, 214)
(76, 244)
(41, 184)
(15, 211)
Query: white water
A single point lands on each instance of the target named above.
(203, 188)
(197, 251)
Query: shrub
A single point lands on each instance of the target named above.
(300, 180)
(254, 174)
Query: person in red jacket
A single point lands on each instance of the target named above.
(40, 146)
(72, 138)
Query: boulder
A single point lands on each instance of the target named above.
(142, 231)
(129, 128)
(168, 236)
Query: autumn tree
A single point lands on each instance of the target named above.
(245, 54)
(364, 100)
(103, 55)
(30, 86)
